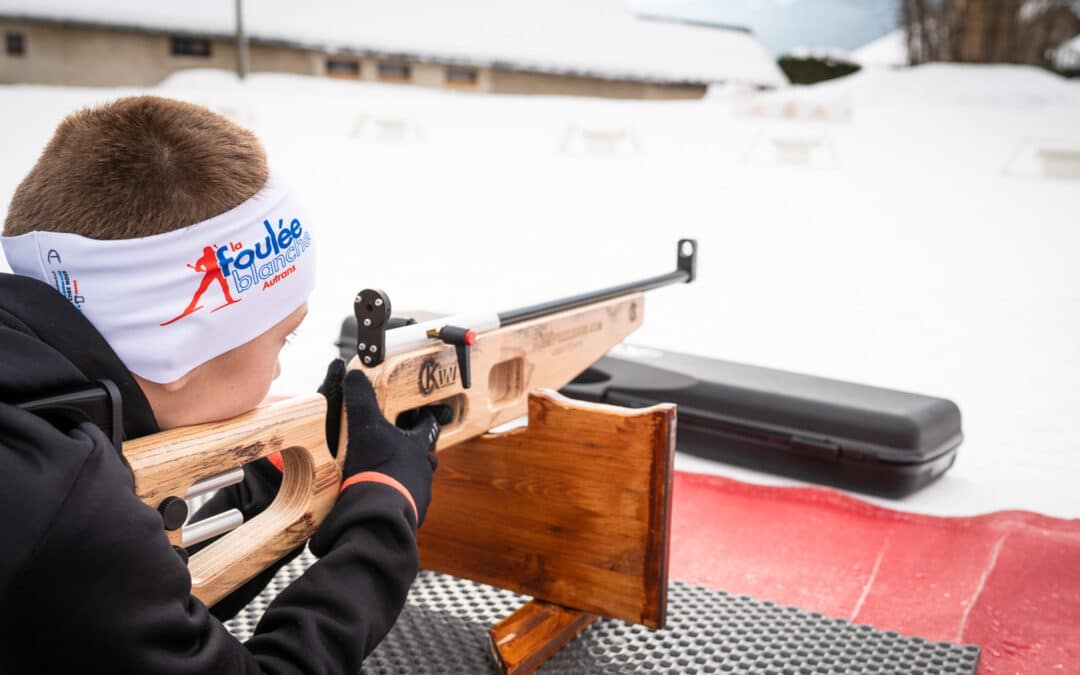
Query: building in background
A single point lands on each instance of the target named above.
(573, 47)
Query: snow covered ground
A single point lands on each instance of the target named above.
(930, 243)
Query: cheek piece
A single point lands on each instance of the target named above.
(170, 302)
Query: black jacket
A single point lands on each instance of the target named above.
(88, 580)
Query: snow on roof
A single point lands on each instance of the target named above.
(590, 37)
(889, 50)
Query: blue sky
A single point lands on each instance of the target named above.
(785, 24)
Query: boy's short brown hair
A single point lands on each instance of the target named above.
(136, 167)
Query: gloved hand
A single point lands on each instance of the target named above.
(331, 389)
(374, 444)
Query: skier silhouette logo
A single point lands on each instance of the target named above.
(207, 264)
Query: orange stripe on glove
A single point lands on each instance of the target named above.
(362, 477)
(376, 477)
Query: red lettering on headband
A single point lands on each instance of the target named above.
(278, 277)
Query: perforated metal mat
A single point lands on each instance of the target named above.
(444, 626)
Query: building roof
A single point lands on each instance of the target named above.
(600, 38)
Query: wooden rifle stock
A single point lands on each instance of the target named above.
(167, 464)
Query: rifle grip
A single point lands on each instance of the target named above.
(168, 463)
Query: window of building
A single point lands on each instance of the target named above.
(393, 72)
(16, 44)
(190, 46)
(344, 68)
(460, 77)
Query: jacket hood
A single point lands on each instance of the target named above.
(47, 346)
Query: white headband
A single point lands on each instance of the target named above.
(170, 302)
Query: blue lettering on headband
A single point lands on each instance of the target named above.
(274, 243)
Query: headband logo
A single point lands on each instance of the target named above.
(279, 249)
(62, 280)
(207, 265)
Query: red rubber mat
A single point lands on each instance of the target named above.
(1007, 581)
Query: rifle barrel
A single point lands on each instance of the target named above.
(685, 272)
(416, 336)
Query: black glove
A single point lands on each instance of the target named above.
(331, 389)
(377, 445)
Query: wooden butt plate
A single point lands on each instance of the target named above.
(573, 510)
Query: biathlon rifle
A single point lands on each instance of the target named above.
(481, 365)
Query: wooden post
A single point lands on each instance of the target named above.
(523, 641)
(242, 65)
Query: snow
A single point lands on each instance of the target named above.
(585, 36)
(1067, 55)
(913, 256)
(947, 86)
(889, 50)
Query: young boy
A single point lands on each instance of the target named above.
(153, 248)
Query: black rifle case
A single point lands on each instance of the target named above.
(862, 438)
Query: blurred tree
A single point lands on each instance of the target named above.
(808, 69)
(988, 31)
